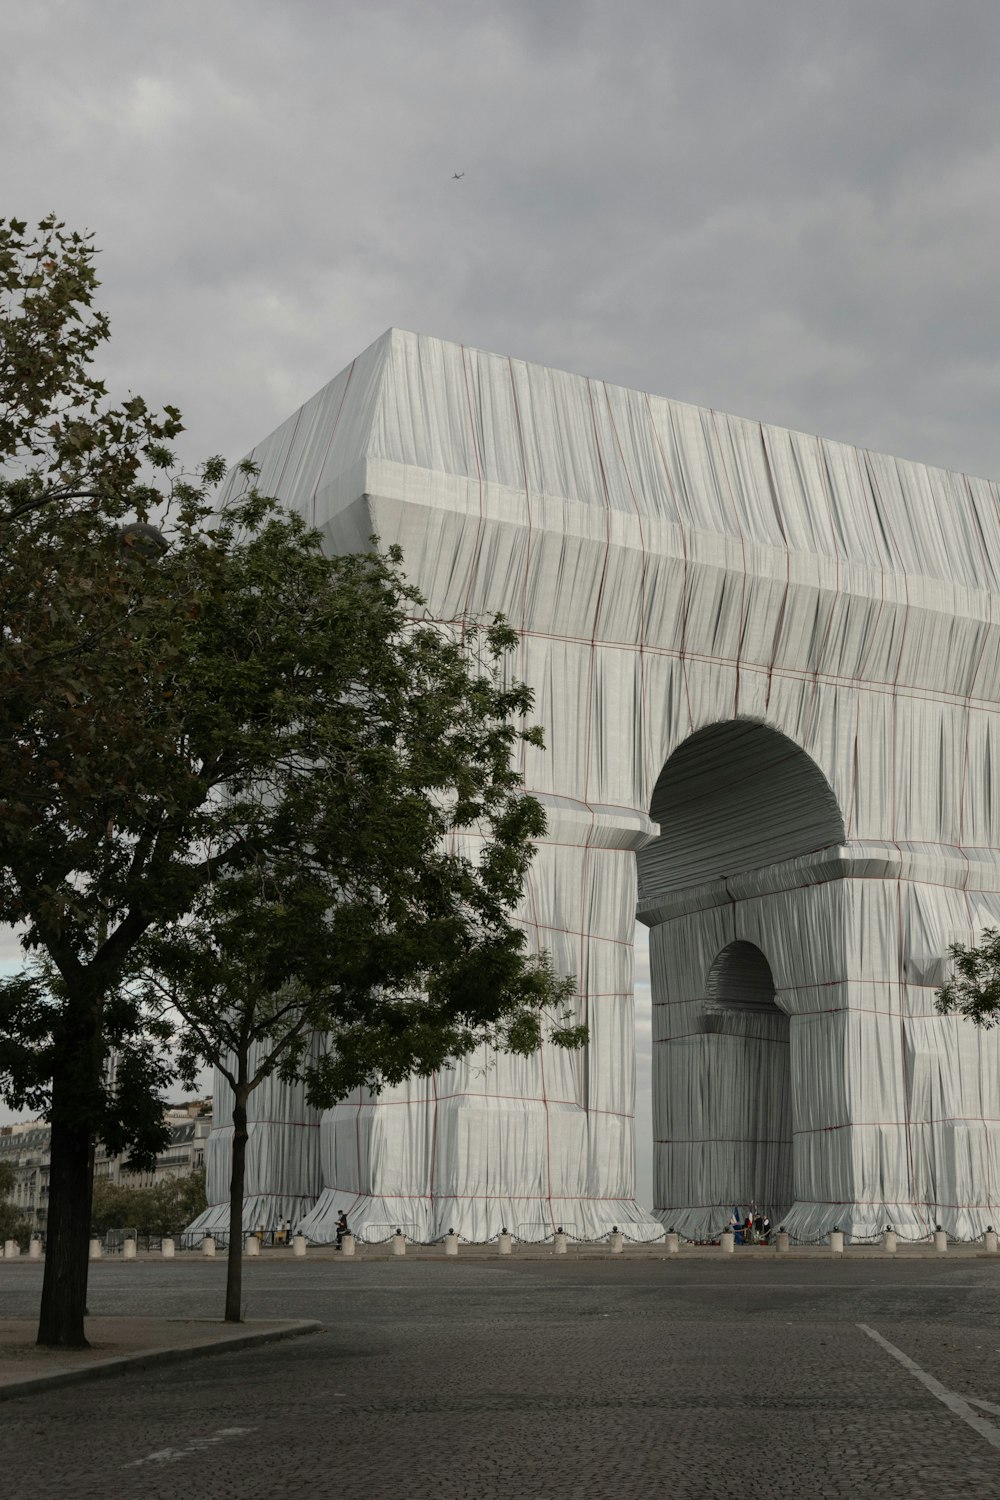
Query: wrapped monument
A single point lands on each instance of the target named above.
(767, 669)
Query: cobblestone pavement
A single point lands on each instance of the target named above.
(577, 1378)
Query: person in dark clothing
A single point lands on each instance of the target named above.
(342, 1228)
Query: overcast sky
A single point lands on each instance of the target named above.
(787, 210)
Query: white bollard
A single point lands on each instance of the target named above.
(940, 1239)
(889, 1242)
(167, 1248)
(128, 1250)
(836, 1242)
(616, 1243)
(299, 1245)
(35, 1248)
(399, 1243)
(95, 1250)
(347, 1244)
(672, 1242)
(990, 1241)
(208, 1245)
(451, 1243)
(11, 1249)
(559, 1243)
(727, 1242)
(504, 1243)
(784, 1242)
(251, 1244)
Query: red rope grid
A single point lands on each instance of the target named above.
(378, 1102)
(644, 714)
(780, 622)
(883, 686)
(743, 556)
(685, 594)
(873, 497)
(477, 544)
(840, 1203)
(991, 1189)
(523, 633)
(329, 447)
(585, 862)
(493, 1197)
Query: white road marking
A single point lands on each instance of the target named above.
(196, 1445)
(955, 1403)
(986, 1405)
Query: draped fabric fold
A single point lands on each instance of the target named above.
(767, 666)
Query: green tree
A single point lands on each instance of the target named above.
(112, 1206)
(223, 756)
(162, 1208)
(381, 738)
(974, 989)
(81, 668)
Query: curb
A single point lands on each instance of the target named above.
(152, 1357)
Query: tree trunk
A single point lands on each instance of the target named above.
(64, 1288)
(234, 1270)
(76, 1091)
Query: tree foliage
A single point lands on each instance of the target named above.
(165, 1207)
(13, 1225)
(229, 766)
(974, 989)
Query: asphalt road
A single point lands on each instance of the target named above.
(452, 1381)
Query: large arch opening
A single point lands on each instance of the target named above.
(734, 798)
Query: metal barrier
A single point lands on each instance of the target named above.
(379, 1232)
(113, 1240)
(543, 1231)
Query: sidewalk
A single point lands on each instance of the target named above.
(543, 1250)
(121, 1344)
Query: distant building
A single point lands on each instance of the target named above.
(189, 1124)
(26, 1147)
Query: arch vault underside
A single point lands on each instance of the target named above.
(767, 665)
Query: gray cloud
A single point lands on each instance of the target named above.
(788, 211)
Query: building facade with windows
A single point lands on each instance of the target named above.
(26, 1148)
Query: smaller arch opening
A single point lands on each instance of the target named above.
(740, 979)
(746, 1118)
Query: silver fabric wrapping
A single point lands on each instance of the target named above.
(283, 1174)
(785, 650)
